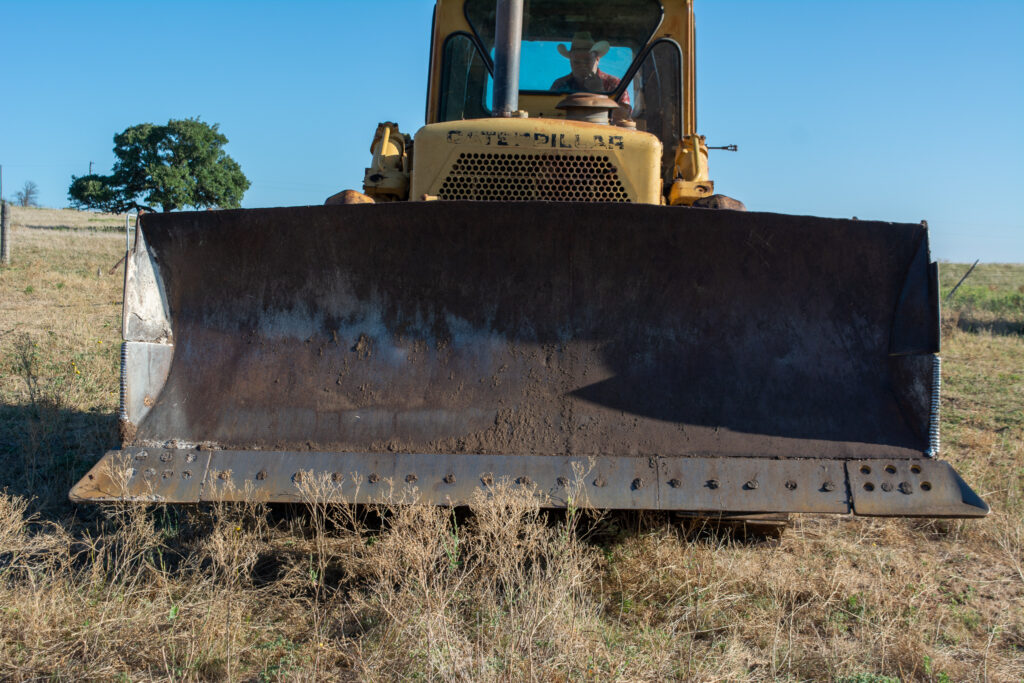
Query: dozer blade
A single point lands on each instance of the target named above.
(623, 356)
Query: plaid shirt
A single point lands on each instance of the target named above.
(570, 84)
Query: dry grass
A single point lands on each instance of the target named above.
(505, 591)
(66, 219)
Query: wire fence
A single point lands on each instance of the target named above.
(995, 276)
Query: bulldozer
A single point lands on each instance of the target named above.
(542, 289)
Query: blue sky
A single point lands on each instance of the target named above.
(892, 110)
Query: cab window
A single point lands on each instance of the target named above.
(555, 31)
(657, 98)
(465, 80)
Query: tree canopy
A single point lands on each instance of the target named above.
(179, 165)
(27, 195)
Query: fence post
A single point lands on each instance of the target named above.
(5, 234)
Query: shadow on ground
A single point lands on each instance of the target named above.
(999, 326)
(45, 449)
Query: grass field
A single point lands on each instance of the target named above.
(505, 593)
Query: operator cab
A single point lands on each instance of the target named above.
(638, 66)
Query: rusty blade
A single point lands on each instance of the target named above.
(145, 475)
(698, 485)
(542, 328)
(914, 488)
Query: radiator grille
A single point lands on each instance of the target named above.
(512, 177)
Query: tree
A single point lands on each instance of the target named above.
(182, 164)
(28, 195)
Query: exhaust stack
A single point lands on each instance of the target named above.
(508, 33)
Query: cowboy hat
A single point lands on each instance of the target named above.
(584, 41)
